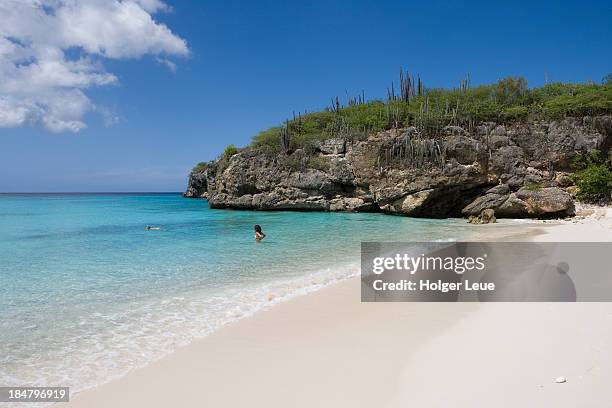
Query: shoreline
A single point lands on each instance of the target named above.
(272, 354)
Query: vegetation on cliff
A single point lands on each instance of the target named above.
(430, 110)
(200, 167)
(229, 151)
(523, 138)
(593, 177)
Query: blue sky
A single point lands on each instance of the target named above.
(250, 64)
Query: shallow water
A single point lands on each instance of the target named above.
(87, 294)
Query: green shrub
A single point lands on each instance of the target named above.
(201, 166)
(516, 112)
(593, 178)
(268, 140)
(371, 162)
(509, 99)
(229, 151)
(589, 99)
(293, 163)
(318, 163)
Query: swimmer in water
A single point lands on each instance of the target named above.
(148, 228)
(259, 235)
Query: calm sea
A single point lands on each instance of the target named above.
(86, 293)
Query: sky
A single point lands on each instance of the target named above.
(109, 95)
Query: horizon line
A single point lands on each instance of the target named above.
(89, 192)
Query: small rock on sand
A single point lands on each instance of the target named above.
(560, 380)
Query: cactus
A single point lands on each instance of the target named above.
(407, 88)
(356, 100)
(285, 138)
(421, 88)
(417, 152)
(464, 84)
(335, 105)
(340, 128)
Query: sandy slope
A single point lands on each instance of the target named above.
(328, 349)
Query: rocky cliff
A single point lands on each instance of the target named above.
(519, 169)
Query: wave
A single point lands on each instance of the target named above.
(110, 345)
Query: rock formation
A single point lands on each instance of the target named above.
(518, 169)
(486, 216)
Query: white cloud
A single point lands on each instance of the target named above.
(167, 63)
(51, 52)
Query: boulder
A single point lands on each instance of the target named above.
(490, 200)
(351, 204)
(513, 207)
(412, 203)
(487, 216)
(547, 202)
(499, 189)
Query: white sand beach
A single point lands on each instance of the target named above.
(327, 349)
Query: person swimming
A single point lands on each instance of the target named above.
(148, 228)
(259, 235)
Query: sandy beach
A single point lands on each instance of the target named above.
(327, 349)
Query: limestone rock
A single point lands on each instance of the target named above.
(490, 200)
(352, 204)
(547, 202)
(531, 161)
(412, 202)
(499, 189)
(550, 202)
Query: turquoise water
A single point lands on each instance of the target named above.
(87, 294)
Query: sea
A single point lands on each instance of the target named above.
(88, 294)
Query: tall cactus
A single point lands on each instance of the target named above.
(407, 89)
(417, 152)
(285, 138)
(357, 100)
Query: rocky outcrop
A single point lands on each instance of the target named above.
(486, 217)
(548, 202)
(517, 170)
(197, 186)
